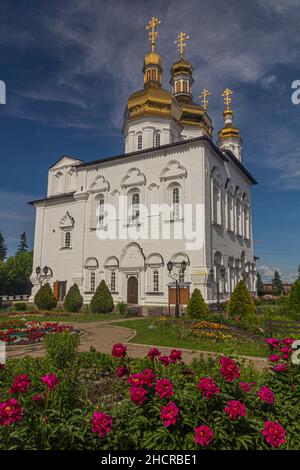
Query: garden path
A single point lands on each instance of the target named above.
(102, 335)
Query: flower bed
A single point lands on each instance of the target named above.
(20, 332)
(161, 404)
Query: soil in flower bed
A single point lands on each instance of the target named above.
(21, 332)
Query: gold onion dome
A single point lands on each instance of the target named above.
(153, 99)
(228, 131)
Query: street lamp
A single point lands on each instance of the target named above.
(176, 276)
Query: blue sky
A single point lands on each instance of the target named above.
(70, 66)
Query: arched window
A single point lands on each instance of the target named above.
(140, 142)
(101, 212)
(157, 139)
(229, 209)
(113, 281)
(135, 208)
(175, 203)
(153, 75)
(239, 214)
(177, 87)
(67, 239)
(216, 196)
(155, 280)
(148, 75)
(246, 218)
(92, 281)
(185, 86)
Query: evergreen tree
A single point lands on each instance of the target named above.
(102, 301)
(73, 300)
(44, 298)
(3, 247)
(23, 246)
(277, 283)
(241, 305)
(294, 297)
(259, 284)
(196, 307)
(15, 274)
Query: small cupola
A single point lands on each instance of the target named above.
(229, 137)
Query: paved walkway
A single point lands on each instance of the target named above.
(102, 335)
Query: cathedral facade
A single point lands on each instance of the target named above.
(174, 195)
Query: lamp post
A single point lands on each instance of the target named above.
(222, 272)
(42, 274)
(176, 276)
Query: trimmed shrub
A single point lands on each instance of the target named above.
(294, 298)
(241, 305)
(196, 307)
(73, 300)
(44, 298)
(102, 301)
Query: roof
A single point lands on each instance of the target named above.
(51, 198)
(64, 156)
(240, 165)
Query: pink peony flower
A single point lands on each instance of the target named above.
(169, 414)
(229, 369)
(246, 386)
(164, 388)
(153, 352)
(234, 409)
(203, 435)
(175, 355)
(165, 360)
(266, 395)
(285, 352)
(101, 423)
(122, 371)
(148, 376)
(288, 341)
(273, 342)
(138, 395)
(51, 380)
(208, 387)
(119, 350)
(274, 433)
(280, 368)
(274, 358)
(20, 384)
(10, 412)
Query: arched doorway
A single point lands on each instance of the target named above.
(132, 290)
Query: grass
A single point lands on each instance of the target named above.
(67, 318)
(164, 335)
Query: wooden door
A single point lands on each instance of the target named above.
(62, 290)
(132, 290)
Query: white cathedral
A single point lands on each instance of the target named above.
(123, 218)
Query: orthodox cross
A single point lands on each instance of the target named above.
(204, 95)
(227, 100)
(153, 23)
(181, 38)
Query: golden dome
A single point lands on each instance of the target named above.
(153, 101)
(229, 131)
(152, 59)
(194, 115)
(182, 66)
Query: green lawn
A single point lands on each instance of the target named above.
(74, 317)
(164, 335)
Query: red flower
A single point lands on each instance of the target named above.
(122, 371)
(164, 388)
(37, 398)
(175, 355)
(285, 352)
(246, 386)
(138, 395)
(21, 383)
(280, 368)
(273, 342)
(266, 395)
(203, 435)
(153, 352)
(10, 412)
(101, 423)
(165, 360)
(288, 341)
(148, 377)
(50, 380)
(119, 350)
(234, 409)
(208, 387)
(169, 414)
(274, 358)
(274, 433)
(229, 369)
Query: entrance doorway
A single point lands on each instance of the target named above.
(132, 290)
(62, 290)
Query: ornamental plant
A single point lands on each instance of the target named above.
(102, 301)
(44, 298)
(241, 306)
(73, 300)
(294, 297)
(196, 307)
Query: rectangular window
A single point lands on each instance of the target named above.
(155, 281)
(92, 281)
(113, 281)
